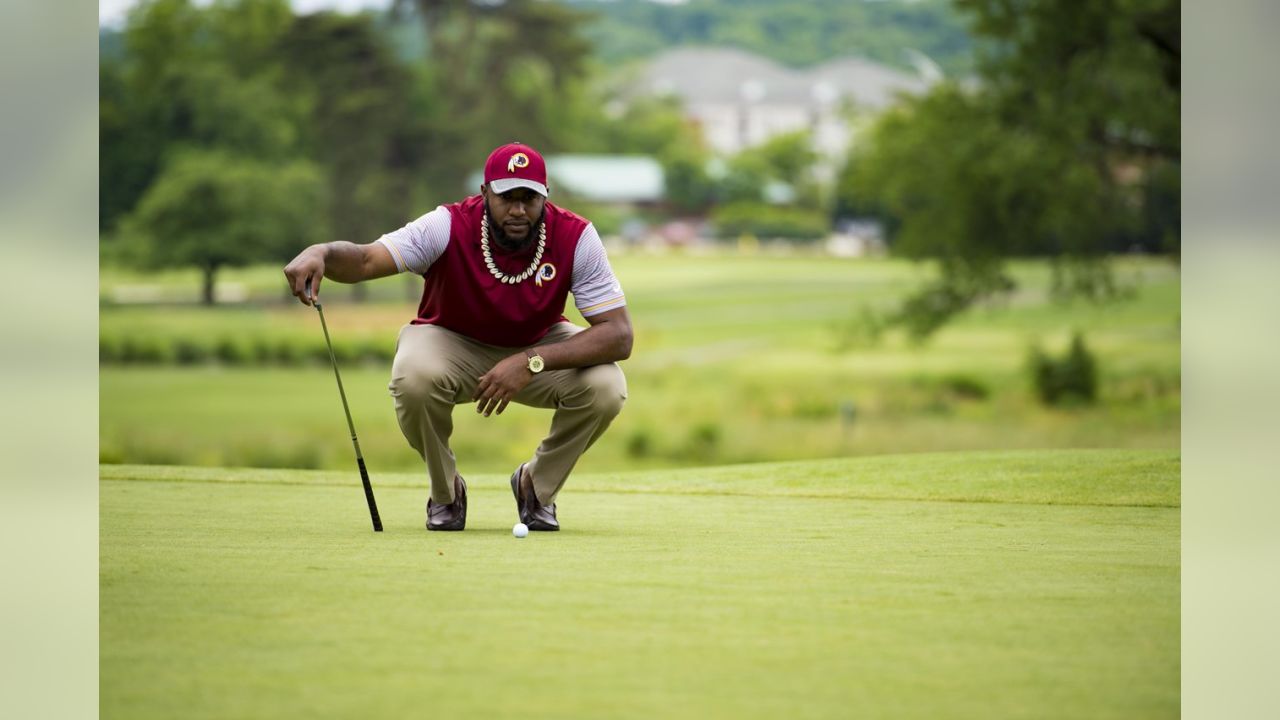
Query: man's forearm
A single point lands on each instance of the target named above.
(597, 345)
(343, 261)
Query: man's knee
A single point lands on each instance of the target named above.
(607, 389)
(421, 380)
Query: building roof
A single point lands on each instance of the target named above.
(607, 178)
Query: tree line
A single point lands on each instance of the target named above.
(237, 132)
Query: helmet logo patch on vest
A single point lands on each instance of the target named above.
(546, 272)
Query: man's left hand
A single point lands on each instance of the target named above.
(501, 384)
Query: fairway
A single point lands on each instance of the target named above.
(1005, 584)
(738, 359)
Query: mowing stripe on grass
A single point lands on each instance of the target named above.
(1113, 478)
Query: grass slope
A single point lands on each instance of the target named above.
(1018, 584)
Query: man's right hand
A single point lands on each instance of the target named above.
(342, 261)
(305, 272)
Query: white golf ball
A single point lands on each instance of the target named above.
(520, 530)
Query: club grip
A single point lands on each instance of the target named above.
(315, 301)
(368, 496)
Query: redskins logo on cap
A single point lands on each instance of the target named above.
(518, 160)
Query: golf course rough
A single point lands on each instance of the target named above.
(1006, 584)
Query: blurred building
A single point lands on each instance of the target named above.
(856, 238)
(741, 99)
(626, 180)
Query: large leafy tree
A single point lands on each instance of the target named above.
(202, 130)
(191, 77)
(215, 209)
(1068, 148)
(1105, 74)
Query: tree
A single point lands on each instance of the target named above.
(361, 127)
(1105, 73)
(1102, 77)
(1069, 149)
(785, 160)
(214, 209)
(191, 77)
(210, 142)
(501, 70)
(650, 126)
(128, 154)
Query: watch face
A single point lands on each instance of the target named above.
(535, 363)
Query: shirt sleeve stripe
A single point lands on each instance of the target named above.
(418, 244)
(400, 263)
(598, 308)
(595, 288)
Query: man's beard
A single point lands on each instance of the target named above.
(510, 244)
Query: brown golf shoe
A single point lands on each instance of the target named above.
(533, 514)
(452, 516)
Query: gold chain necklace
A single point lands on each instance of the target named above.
(488, 257)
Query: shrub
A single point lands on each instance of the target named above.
(232, 352)
(189, 352)
(966, 387)
(285, 352)
(377, 352)
(261, 351)
(145, 351)
(640, 443)
(109, 453)
(109, 350)
(704, 441)
(1071, 378)
(341, 353)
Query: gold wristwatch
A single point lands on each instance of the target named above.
(536, 364)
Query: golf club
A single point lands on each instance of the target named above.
(364, 474)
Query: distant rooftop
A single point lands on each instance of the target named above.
(727, 75)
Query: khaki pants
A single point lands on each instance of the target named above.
(436, 369)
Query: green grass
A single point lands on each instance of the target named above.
(737, 359)
(1017, 584)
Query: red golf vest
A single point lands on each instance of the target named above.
(462, 295)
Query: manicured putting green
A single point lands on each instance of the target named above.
(980, 585)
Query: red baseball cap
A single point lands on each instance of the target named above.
(513, 166)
